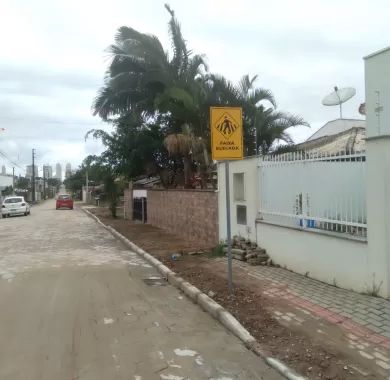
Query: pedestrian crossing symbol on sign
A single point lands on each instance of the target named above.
(226, 125)
(226, 133)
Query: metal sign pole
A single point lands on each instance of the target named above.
(227, 144)
(228, 228)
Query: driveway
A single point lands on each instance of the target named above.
(76, 304)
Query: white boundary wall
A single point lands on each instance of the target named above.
(331, 257)
(377, 69)
(248, 166)
(326, 255)
(328, 258)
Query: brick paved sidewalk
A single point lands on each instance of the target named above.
(364, 319)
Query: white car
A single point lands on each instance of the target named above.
(15, 206)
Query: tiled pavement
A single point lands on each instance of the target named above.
(352, 310)
(365, 319)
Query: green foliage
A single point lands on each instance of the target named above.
(55, 182)
(111, 190)
(287, 148)
(135, 147)
(22, 183)
(97, 171)
(217, 251)
(75, 182)
(374, 289)
(7, 191)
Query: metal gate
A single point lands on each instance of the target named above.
(315, 190)
(140, 209)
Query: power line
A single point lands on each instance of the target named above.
(9, 160)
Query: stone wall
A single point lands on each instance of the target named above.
(192, 214)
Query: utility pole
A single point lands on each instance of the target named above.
(33, 177)
(86, 185)
(13, 180)
(44, 187)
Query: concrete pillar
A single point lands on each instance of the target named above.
(377, 78)
(128, 211)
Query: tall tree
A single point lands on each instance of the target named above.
(159, 104)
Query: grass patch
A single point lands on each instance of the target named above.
(217, 251)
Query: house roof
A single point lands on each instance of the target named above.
(340, 135)
(337, 126)
(377, 52)
(147, 182)
(352, 140)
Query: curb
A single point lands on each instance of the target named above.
(206, 303)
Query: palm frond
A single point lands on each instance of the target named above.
(129, 41)
(261, 94)
(179, 46)
(177, 144)
(99, 134)
(222, 91)
(246, 84)
(286, 120)
(174, 95)
(195, 66)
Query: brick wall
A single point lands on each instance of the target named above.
(192, 214)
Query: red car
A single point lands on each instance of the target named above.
(64, 201)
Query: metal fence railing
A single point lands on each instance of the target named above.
(315, 191)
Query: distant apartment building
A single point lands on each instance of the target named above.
(59, 172)
(3, 170)
(5, 181)
(29, 171)
(68, 170)
(47, 171)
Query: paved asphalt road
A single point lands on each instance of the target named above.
(74, 306)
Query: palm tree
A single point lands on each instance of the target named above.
(272, 126)
(191, 149)
(145, 82)
(142, 77)
(263, 126)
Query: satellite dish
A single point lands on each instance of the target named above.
(338, 97)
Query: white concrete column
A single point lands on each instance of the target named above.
(377, 78)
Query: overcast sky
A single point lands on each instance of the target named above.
(52, 59)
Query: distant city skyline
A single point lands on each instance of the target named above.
(29, 171)
(47, 171)
(55, 171)
(68, 170)
(59, 171)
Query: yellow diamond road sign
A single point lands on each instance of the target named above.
(226, 133)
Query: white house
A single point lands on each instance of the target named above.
(5, 180)
(321, 214)
(340, 135)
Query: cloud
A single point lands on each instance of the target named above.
(40, 81)
(53, 59)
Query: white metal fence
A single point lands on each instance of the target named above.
(315, 191)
